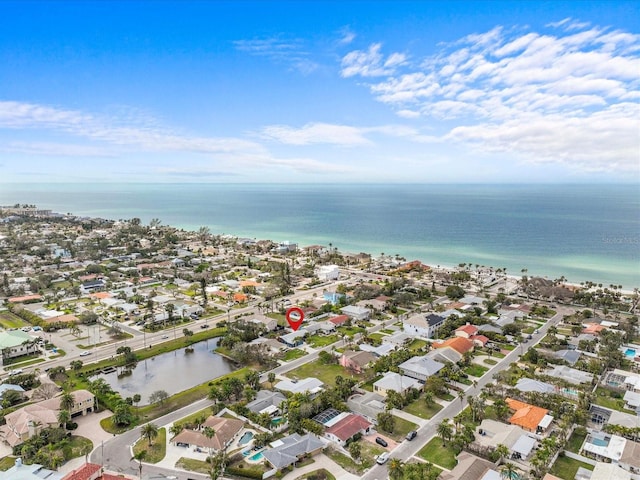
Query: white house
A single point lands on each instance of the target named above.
(328, 272)
(355, 312)
(396, 382)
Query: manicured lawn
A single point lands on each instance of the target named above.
(9, 320)
(476, 370)
(369, 451)
(326, 373)
(327, 475)
(576, 440)
(490, 361)
(402, 427)
(377, 336)
(293, 354)
(499, 355)
(157, 450)
(349, 330)
(6, 463)
(447, 397)
(419, 408)
(192, 465)
(566, 468)
(435, 453)
(605, 398)
(417, 344)
(387, 331)
(317, 341)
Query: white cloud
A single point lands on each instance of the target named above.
(290, 52)
(540, 95)
(371, 63)
(314, 133)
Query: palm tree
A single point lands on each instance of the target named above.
(444, 431)
(64, 417)
(508, 471)
(149, 431)
(501, 450)
(140, 456)
(67, 401)
(396, 467)
(210, 433)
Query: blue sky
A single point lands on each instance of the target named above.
(517, 91)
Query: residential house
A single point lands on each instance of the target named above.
(420, 368)
(356, 313)
(492, 433)
(529, 385)
(347, 427)
(339, 320)
(369, 405)
(531, 418)
(398, 339)
(294, 339)
(395, 382)
(468, 467)
(423, 325)
(310, 384)
(604, 447)
(291, 449)
(459, 344)
(466, 331)
(29, 420)
(16, 343)
(35, 471)
(266, 401)
(269, 324)
(225, 430)
(570, 375)
(356, 361)
(93, 286)
(445, 355)
(379, 351)
(328, 272)
(569, 356)
(608, 471)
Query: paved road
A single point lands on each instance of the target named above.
(117, 451)
(406, 450)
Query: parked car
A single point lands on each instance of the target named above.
(381, 441)
(411, 435)
(382, 458)
(85, 353)
(206, 325)
(164, 337)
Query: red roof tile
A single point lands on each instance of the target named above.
(349, 426)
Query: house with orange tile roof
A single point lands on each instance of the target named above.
(593, 328)
(25, 298)
(240, 297)
(466, 331)
(459, 344)
(529, 417)
(88, 471)
(347, 427)
(100, 295)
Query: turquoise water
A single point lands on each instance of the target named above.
(277, 421)
(584, 232)
(600, 442)
(256, 457)
(245, 438)
(630, 352)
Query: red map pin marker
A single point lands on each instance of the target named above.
(297, 319)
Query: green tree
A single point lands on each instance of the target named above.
(67, 401)
(386, 422)
(444, 431)
(139, 457)
(149, 431)
(64, 417)
(396, 469)
(355, 450)
(272, 378)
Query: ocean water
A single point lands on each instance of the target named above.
(584, 232)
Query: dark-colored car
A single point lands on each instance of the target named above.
(411, 435)
(381, 441)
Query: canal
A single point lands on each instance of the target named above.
(172, 372)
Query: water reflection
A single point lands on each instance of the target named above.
(172, 372)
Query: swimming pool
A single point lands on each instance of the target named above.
(277, 421)
(258, 456)
(245, 438)
(630, 352)
(600, 442)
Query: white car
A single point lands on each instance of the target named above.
(85, 353)
(382, 458)
(164, 337)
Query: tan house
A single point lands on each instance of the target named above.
(225, 431)
(28, 421)
(356, 361)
